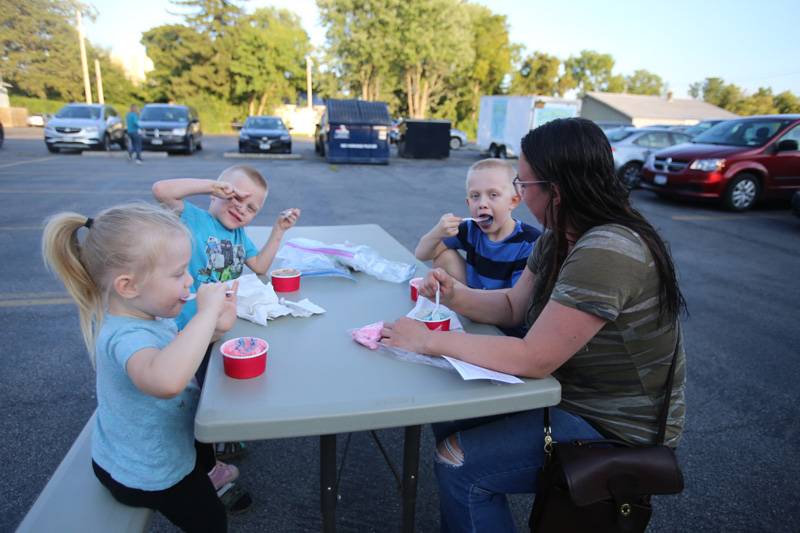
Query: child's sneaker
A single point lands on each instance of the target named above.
(235, 499)
(222, 474)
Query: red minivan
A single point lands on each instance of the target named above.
(737, 162)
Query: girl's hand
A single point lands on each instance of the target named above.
(227, 316)
(211, 298)
(441, 279)
(288, 218)
(406, 333)
(448, 226)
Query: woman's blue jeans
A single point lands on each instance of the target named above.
(502, 455)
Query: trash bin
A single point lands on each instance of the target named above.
(424, 139)
(355, 131)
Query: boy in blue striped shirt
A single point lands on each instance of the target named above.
(497, 246)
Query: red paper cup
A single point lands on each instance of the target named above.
(286, 280)
(415, 283)
(437, 325)
(244, 357)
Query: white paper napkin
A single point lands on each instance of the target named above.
(425, 307)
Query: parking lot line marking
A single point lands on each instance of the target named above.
(31, 302)
(73, 191)
(690, 218)
(27, 161)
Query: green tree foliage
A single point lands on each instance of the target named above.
(539, 73)
(715, 91)
(180, 57)
(731, 97)
(268, 61)
(644, 82)
(787, 102)
(592, 71)
(759, 103)
(41, 55)
(362, 37)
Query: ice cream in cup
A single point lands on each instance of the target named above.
(244, 357)
(285, 280)
(439, 321)
(415, 284)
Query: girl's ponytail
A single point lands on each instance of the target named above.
(62, 254)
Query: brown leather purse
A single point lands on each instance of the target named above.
(603, 485)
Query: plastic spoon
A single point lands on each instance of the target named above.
(482, 219)
(436, 307)
(193, 295)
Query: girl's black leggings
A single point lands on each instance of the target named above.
(191, 504)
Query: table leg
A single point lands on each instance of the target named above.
(410, 473)
(327, 482)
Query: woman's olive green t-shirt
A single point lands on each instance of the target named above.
(617, 381)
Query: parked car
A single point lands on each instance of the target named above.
(458, 138)
(796, 203)
(37, 120)
(265, 134)
(631, 147)
(84, 126)
(701, 127)
(170, 127)
(736, 162)
(608, 126)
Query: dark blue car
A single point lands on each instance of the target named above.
(265, 134)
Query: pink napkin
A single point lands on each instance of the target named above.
(368, 335)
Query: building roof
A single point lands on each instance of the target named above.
(658, 107)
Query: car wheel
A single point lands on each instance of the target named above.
(455, 143)
(190, 146)
(741, 193)
(123, 142)
(105, 146)
(322, 149)
(500, 152)
(199, 147)
(52, 149)
(629, 174)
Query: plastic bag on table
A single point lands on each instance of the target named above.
(309, 262)
(358, 257)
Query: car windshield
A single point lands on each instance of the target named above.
(264, 123)
(79, 111)
(742, 132)
(618, 134)
(164, 114)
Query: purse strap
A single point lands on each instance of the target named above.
(662, 417)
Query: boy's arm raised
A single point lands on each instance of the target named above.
(172, 192)
(261, 262)
(430, 245)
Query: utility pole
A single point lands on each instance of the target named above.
(99, 78)
(308, 82)
(87, 87)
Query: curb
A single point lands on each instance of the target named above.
(237, 155)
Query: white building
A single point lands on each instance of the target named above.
(641, 110)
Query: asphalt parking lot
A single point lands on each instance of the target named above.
(737, 271)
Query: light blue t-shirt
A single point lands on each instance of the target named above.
(218, 254)
(144, 442)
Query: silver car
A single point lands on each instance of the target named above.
(84, 127)
(632, 146)
(458, 138)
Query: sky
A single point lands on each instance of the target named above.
(743, 42)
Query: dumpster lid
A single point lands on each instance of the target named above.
(358, 112)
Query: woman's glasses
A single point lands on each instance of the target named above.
(520, 185)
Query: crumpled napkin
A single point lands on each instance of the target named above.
(425, 307)
(257, 302)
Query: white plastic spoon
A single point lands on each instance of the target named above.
(193, 295)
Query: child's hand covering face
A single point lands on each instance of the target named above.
(288, 218)
(226, 191)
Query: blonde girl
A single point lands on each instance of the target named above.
(125, 268)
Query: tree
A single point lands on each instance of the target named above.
(715, 91)
(644, 82)
(361, 38)
(786, 102)
(539, 74)
(591, 71)
(436, 45)
(180, 58)
(759, 103)
(40, 55)
(269, 59)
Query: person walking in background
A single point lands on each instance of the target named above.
(134, 138)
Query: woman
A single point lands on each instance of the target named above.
(602, 301)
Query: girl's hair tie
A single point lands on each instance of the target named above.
(89, 222)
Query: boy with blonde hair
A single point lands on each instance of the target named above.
(496, 246)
